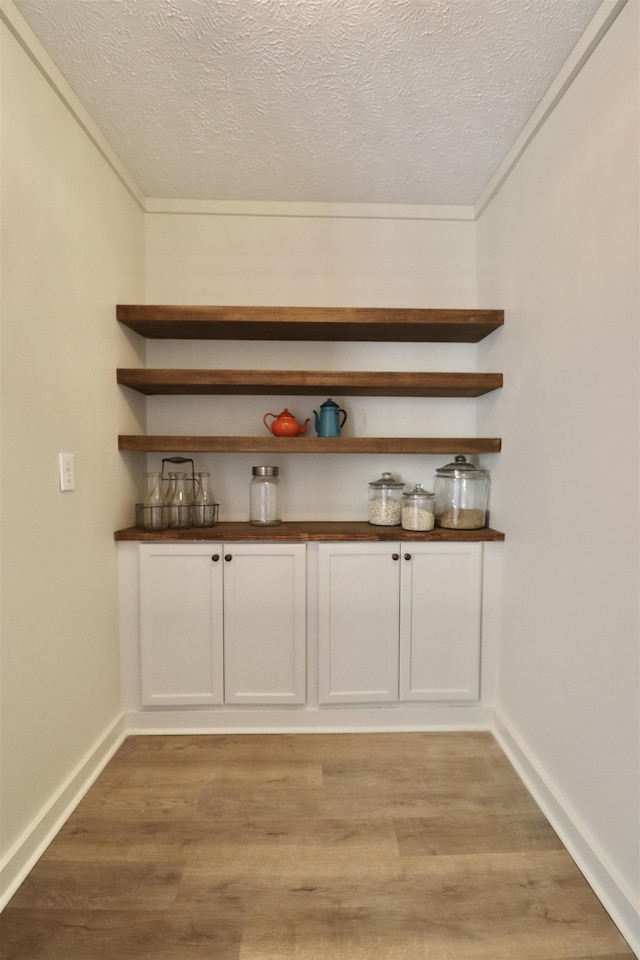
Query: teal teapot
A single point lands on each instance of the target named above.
(328, 423)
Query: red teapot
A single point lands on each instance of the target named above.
(284, 424)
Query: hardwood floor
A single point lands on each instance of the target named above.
(311, 847)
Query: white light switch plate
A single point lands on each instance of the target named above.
(67, 471)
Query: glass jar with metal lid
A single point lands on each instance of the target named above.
(418, 509)
(264, 499)
(462, 495)
(385, 501)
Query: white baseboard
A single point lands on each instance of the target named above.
(599, 872)
(41, 831)
(311, 720)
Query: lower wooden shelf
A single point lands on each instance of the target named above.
(303, 531)
(304, 444)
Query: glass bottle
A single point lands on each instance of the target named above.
(462, 494)
(153, 517)
(264, 496)
(179, 505)
(169, 487)
(203, 507)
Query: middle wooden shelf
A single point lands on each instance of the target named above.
(154, 381)
(217, 444)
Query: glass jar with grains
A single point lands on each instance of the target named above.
(385, 501)
(462, 494)
(418, 509)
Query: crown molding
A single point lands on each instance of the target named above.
(17, 25)
(359, 211)
(604, 17)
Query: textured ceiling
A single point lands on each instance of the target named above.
(355, 101)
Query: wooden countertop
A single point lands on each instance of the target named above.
(302, 531)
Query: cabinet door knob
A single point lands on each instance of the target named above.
(395, 556)
(215, 557)
(407, 556)
(228, 557)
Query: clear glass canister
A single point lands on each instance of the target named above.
(462, 495)
(418, 509)
(385, 501)
(264, 496)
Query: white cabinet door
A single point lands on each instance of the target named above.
(359, 610)
(181, 651)
(440, 621)
(265, 622)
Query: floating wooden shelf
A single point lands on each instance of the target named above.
(343, 383)
(303, 531)
(309, 323)
(268, 444)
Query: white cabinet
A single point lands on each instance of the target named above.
(225, 623)
(221, 623)
(264, 623)
(399, 621)
(358, 621)
(181, 624)
(440, 616)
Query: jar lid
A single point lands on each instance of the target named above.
(387, 480)
(461, 469)
(265, 471)
(416, 493)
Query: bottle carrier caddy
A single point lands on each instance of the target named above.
(177, 500)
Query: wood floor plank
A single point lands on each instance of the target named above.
(118, 935)
(158, 771)
(162, 796)
(389, 919)
(81, 885)
(299, 850)
(323, 747)
(296, 847)
(359, 801)
(267, 773)
(139, 802)
(487, 864)
(450, 834)
(125, 841)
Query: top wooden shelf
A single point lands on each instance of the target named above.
(309, 323)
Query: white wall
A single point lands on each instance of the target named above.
(303, 260)
(558, 248)
(72, 247)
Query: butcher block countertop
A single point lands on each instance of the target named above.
(302, 531)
